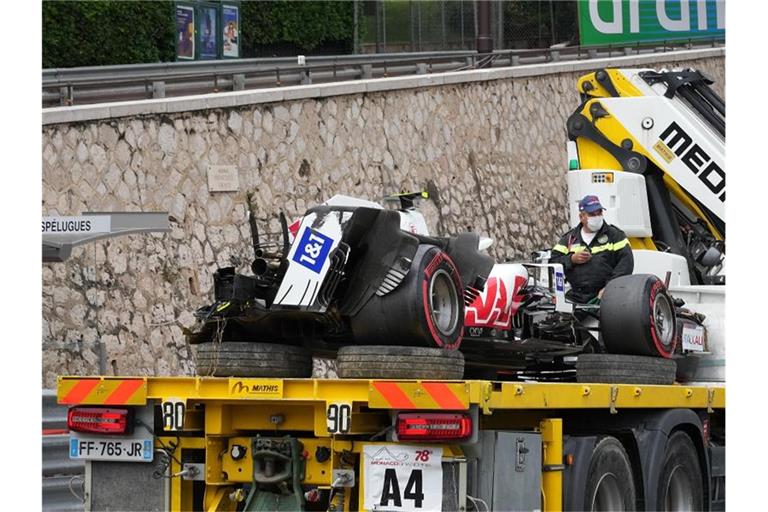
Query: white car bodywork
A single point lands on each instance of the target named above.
(309, 259)
(314, 240)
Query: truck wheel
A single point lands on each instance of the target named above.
(610, 484)
(427, 308)
(637, 316)
(621, 369)
(249, 359)
(393, 362)
(680, 485)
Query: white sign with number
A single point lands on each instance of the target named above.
(401, 477)
(172, 410)
(338, 418)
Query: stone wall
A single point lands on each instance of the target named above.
(491, 153)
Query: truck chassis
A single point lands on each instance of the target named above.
(212, 437)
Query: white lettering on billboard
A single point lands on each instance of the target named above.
(606, 27)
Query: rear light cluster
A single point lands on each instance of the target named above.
(433, 427)
(98, 420)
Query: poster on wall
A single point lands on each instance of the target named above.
(185, 32)
(230, 15)
(611, 22)
(209, 48)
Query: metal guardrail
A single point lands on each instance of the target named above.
(163, 69)
(61, 476)
(54, 415)
(79, 86)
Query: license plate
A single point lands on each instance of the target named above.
(693, 338)
(105, 448)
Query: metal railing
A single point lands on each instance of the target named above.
(62, 477)
(79, 86)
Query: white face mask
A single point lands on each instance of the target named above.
(595, 223)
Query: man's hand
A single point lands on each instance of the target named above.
(580, 257)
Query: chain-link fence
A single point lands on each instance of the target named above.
(412, 25)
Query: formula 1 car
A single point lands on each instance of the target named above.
(523, 319)
(348, 273)
(370, 285)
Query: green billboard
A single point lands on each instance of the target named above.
(617, 22)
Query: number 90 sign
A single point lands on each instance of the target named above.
(338, 418)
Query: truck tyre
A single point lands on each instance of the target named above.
(637, 317)
(621, 369)
(425, 309)
(680, 485)
(610, 484)
(249, 359)
(393, 362)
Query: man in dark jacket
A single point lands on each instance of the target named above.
(592, 253)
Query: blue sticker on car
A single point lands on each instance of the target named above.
(559, 281)
(312, 250)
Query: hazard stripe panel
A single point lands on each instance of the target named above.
(99, 391)
(418, 395)
(443, 395)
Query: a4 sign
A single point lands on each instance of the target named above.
(401, 477)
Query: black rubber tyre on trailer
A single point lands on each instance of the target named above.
(637, 317)
(610, 484)
(249, 359)
(425, 309)
(393, 362)
(680, 485)
(621, 369)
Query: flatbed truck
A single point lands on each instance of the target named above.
(213, 443)
(652, 142)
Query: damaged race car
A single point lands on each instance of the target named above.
(350, 279)
(522, 327)
(369, 286)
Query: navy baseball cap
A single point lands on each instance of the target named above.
(590, 204)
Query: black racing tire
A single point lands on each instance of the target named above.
(610, 484)
(393, 362)
(681, 486)
(621, 369)
(250, 359)
(426, 308)
(637, 317)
